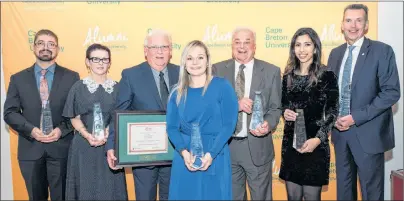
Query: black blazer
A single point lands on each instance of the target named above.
(22, 111)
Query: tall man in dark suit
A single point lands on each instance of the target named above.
(42, 156)
(252, 151)
(146, 87)
(369, 86)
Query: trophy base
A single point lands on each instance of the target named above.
(99, 137)
(197, 164)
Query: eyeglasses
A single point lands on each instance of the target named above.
(98, 60)
(155, 48)
(50, 45)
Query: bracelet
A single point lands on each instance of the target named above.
(85, 136)
(82, 132)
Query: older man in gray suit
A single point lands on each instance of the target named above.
(252, 151)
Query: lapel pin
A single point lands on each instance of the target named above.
(363, 54)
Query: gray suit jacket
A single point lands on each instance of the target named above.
(267, 79)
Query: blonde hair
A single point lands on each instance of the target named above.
(183, 82)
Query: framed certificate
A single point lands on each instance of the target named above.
(141, 139)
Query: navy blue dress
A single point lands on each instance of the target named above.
(88, 174)
(216, 112)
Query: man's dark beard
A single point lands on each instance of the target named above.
(45, 58)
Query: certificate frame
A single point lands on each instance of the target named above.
(142, 128)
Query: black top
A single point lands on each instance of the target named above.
(320, 105)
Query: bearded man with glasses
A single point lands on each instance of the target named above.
(42, 155)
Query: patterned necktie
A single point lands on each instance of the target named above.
(46, 120)
(345, 98)
(43, 87)
(163, 90)
(240, 84)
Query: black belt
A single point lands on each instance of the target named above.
(239, 138)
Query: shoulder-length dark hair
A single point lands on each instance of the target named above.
(97, 46)
(315, 69)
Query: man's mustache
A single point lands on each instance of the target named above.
(46, 51)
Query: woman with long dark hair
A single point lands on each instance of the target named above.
(309, 87)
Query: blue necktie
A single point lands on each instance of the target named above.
(345, 98)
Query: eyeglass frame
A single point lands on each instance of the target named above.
(100, 60)
(155, 48)
(42, 44)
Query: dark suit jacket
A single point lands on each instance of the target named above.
(22, 112)
(137, 90)
(267, 79)
(375, 87)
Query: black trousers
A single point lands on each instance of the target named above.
(43, 173)
(146, 179)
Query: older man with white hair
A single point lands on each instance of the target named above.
(252, 151)
(146, 87)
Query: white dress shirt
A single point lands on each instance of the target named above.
(248, 71)
(355, 54)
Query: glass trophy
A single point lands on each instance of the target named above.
(196, 146)
(98, 122)
(299, 137)
(257, 112)
(46, 118)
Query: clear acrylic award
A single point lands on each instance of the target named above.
(196, 147)
(299, 137)
(46, 118)
(257, 112)
(98, 123)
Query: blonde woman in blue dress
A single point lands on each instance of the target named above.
(212, 103)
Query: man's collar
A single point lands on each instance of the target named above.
(51, 68)
(250, 63)
(358, 43)
(165, 71)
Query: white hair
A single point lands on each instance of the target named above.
(238, 29)
(157, 32)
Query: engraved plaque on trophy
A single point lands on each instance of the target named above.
(257, 112)
(196, 146)
(46, 118)
(300, 136)
(98, 122)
